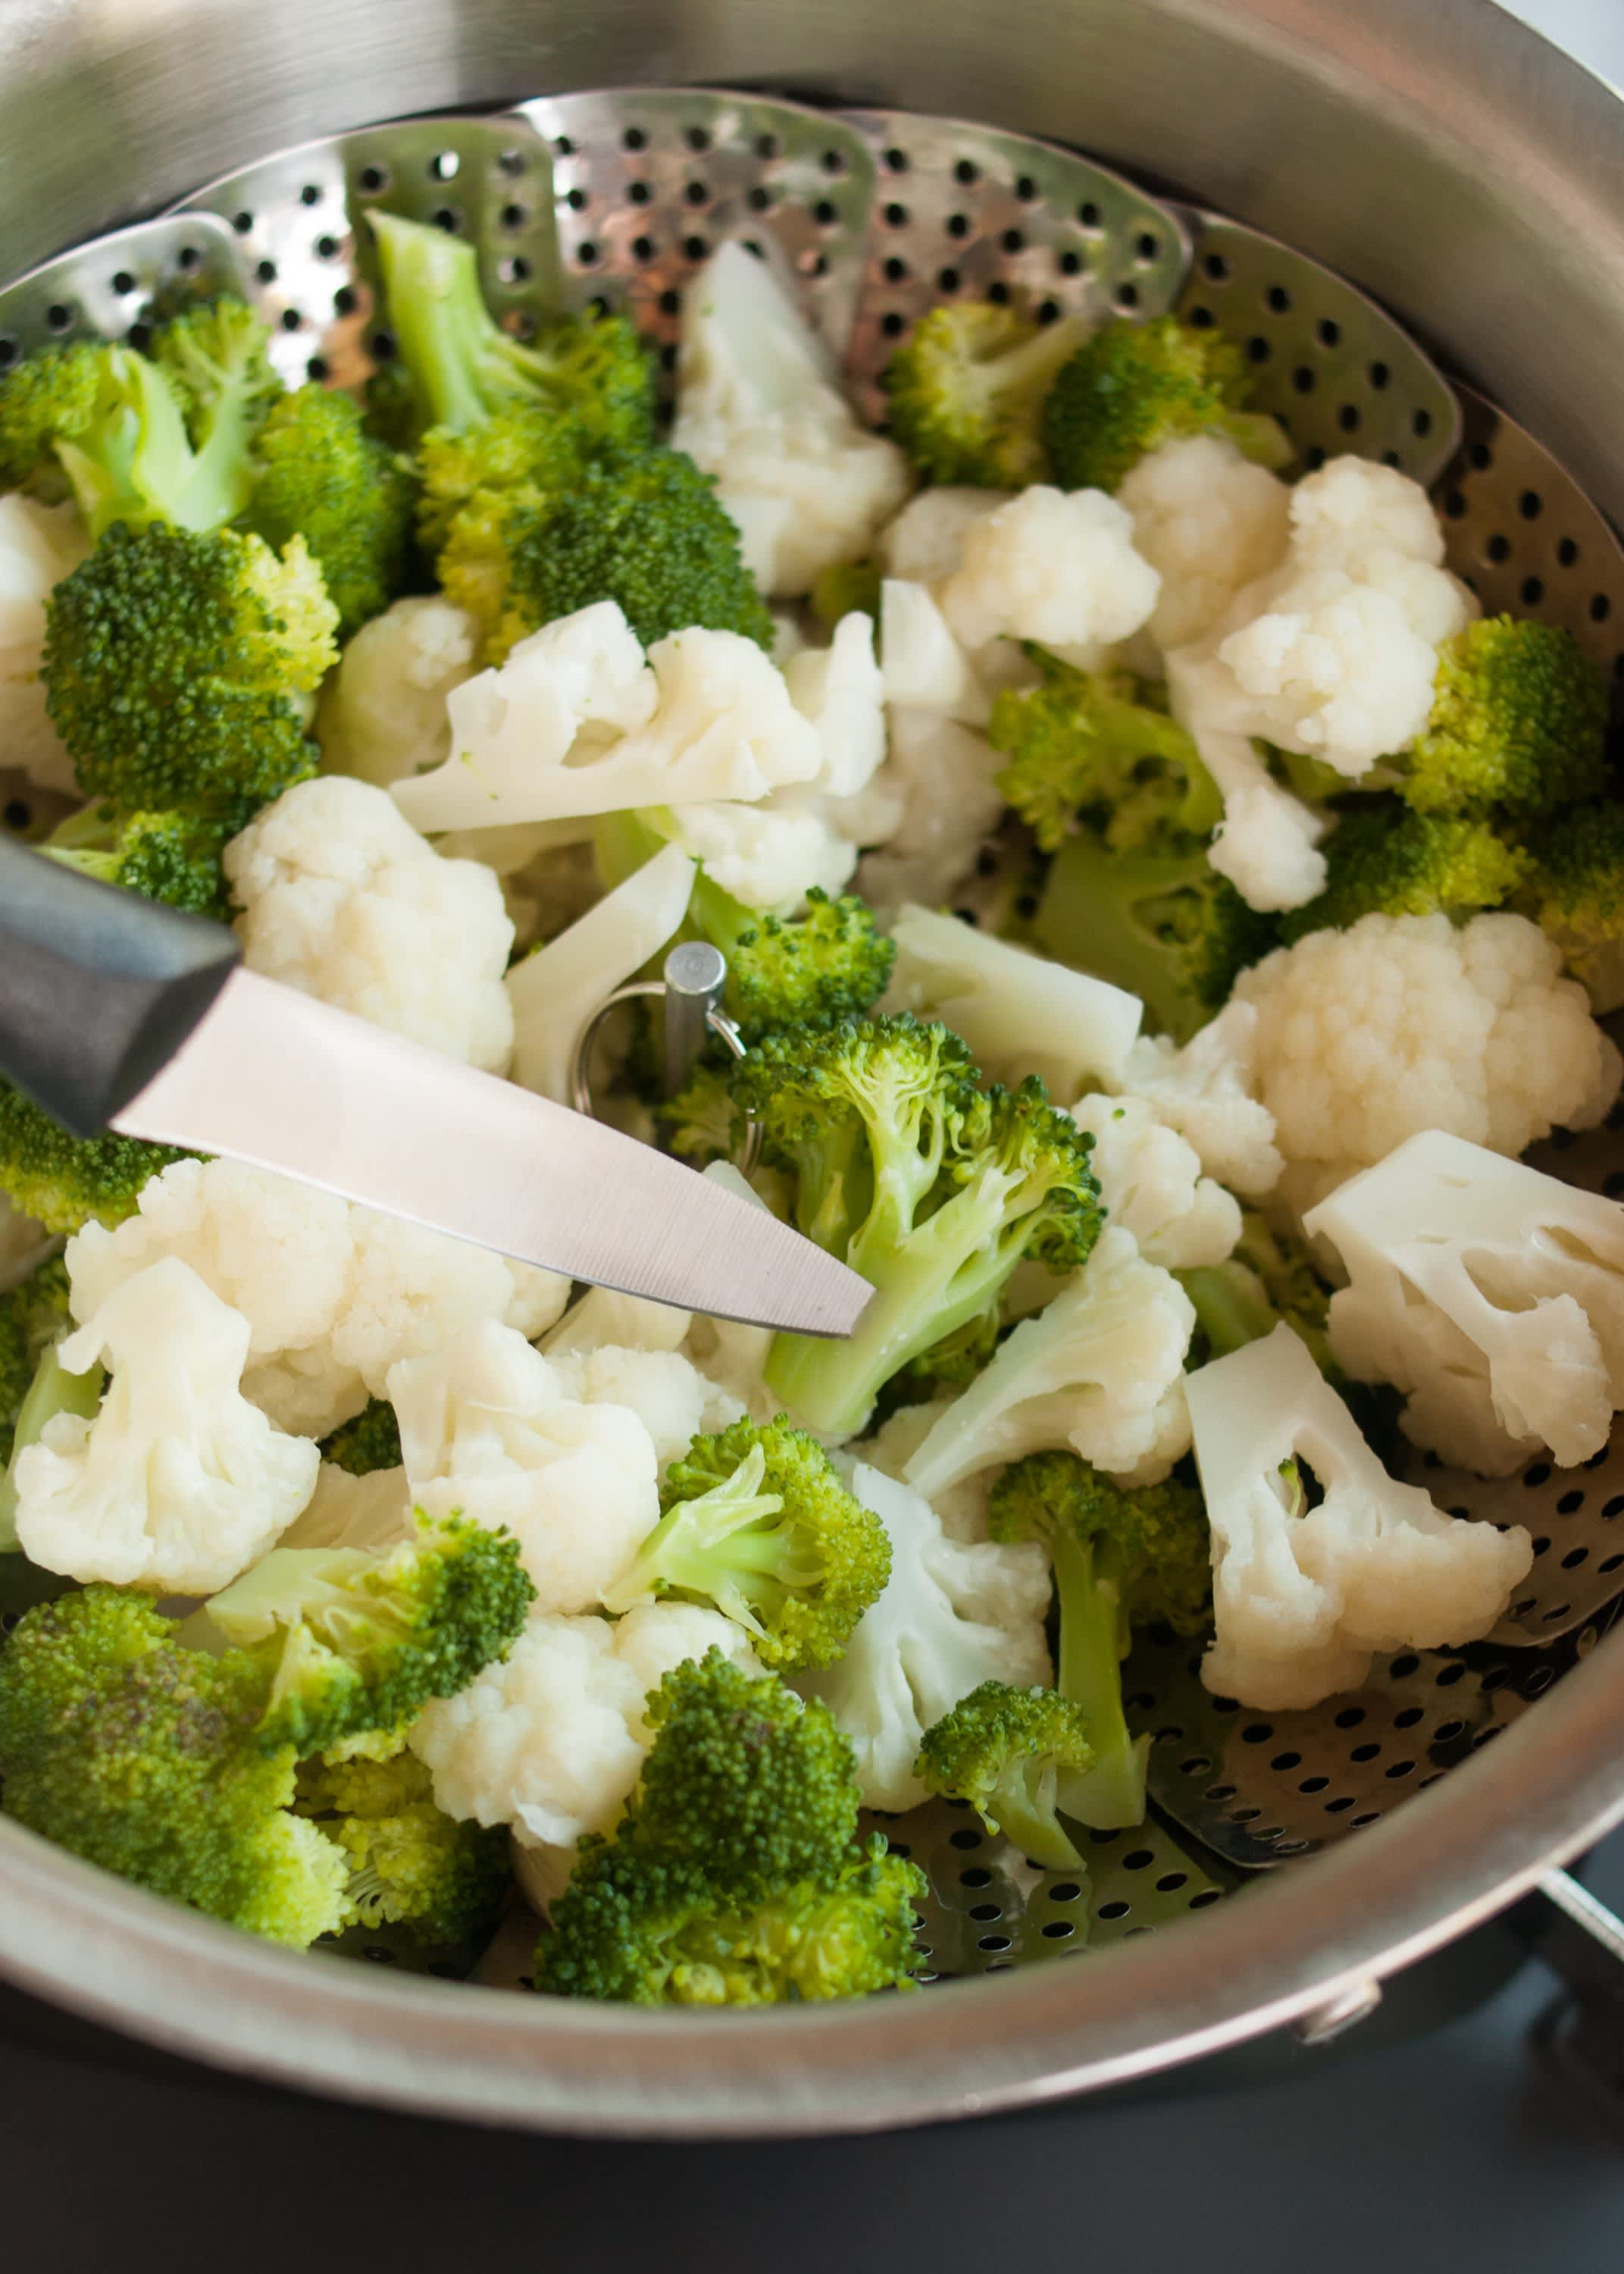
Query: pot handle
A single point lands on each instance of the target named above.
(99, 987)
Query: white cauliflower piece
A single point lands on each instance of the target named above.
(1367, 1037)
(341, 899)
(1151, 1184)
(668, 1392)
(1268, 842)
(488, 1427)
(39, 545)
(925, 543)
(1208, 521)
(1098, 1369)
(1052, 565)
(551, 1738)
(771, 855)
(1490, 1294)
(1207, 1093)
(841, 689)
(943, 777)
(952, 1615)
(604, 1319)
(372, 1511)
(177, 1483)
(963, 1507)
(922, 663)
(333, 1293)
(758, 406)
(1019, 1013)
(382, 715)
(1302, 1600)
(555, 990)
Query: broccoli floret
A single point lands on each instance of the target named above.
(409, 1864)
(1083, 750)
(701, 1122)
(1136, 385)
(930, 1187)
(1383, 859)
(66, 1182)
(1121, 1558)
(757, 1521)
(141, 439)
(832, 963)
(357, 1641)
(736, 1876)
(1161, 922)
(174, 664)
(1004, 1750)
(966, 392)
(32, 1314)
(644, 528)
(371, 1442)
(143, 1756)
(850, 588)
(521, 456)
(320, 476)
(172, 857)
(1575, 892)
(465, 367)
(1519, 721)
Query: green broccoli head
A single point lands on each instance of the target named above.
(143, 1756)
(371, 1442)
(701, 1122)
(736, 1876)
(1085, 750)
(1519, 721)
(524, 455)
(966, 392)
(174, 664)
(1123, 1556)
(1004, 1752)
(45, 399)
(172, 857)
(644, 528)
(833, 962)
(849, 588)
(930, 1187)
(1161, 922)
(65, 1181)
(409, 1864)
(1575, 892)
(320, 476)
(356, 1641)
(32, 1315)
(1384, 860)
(757, 1522)
(1134, 387)
(465, 368)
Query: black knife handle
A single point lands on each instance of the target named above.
(99, 987)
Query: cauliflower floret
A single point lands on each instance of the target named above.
(769, 855)
(342, 898)
(673, 1399)
(1334, 652)
(39, 545)
(1208, 521)
(488, 1427)
(1491, 1294)
(1302, 1600)
(943, 777)
(333, 1293)
(1207, 1093)
(841, 689)
(554, 991)
(962, 1508)
(925, 543)
(604, 1319)
(345, 1511)
(758, 407)
(922, 664)
(952, 1615)
(1101, 1369)
(1405, 1023)
(1152, 1185)
(177, 1483)
(1019, 1013)
(1054, 566)
(551, 1738)
(382, 716)
(1268, 842)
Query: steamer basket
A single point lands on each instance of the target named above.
(876, 213)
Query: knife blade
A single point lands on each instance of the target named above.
(275, 1078)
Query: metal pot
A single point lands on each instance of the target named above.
(1450, 163)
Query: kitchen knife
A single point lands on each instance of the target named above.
(117, 1013)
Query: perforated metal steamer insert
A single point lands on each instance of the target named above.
(877, 216)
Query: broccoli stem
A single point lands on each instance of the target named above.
(1110, 1794)
(1232, 1307)
(53, 1390)
(1023, 1803)
(440, 318)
